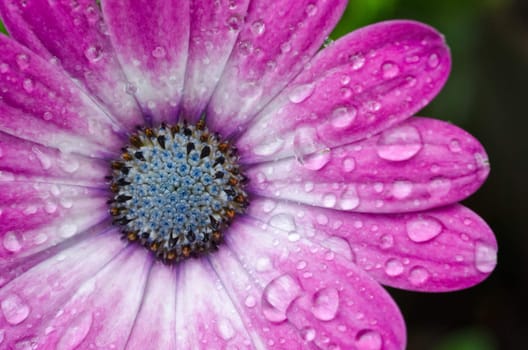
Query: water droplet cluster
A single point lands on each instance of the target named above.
(176, 189)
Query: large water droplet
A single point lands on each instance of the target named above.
(349, 164)
(329, 200)
(268, 148)
(389, 70)
(343, 117)
(315, 161)
(393, 268)
(11, 242)
(368, 339)
(433, 61)
(277, 297)
(301, 93)
(76, 332)
(15, 309)
(418, 275)
(439, 187)
(340, 246)
(44, 159)
(386, 241)
(401, 189)
(28, 85)
(400, 143)
(349, 199)
(283, 221)
(423, 228)
(485, 257)
(325, 304)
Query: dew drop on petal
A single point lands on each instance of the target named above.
(301, 93)
(485, 257)
(22, 61)
(357, 61)
(250, 301)
(325, 304)
(349, 164)
(283, 221)
(386, 241)
(15, 310)
(11, 242)
(401, 189)
(400, 143)
(454, 146)
(423, 228)
(258, 27)
(439, 187)
(277, 297)
(389, 70)
(343, 117)
(329, 200)
(93, 53)
(349, 199)
(308, 334)
(368, 339)
(159, 52)
(76, 332)
(225, 329)
(418, 275)
(433, 60)
(339, 246)
(28, 85)
(393, 268)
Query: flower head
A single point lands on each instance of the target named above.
(272, 186)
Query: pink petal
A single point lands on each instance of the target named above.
(102, 311)
(365, 82)
(418, 164)
(36, 216)
(42, 105)
(151, 39)
(444, 249)
(23, 160)
(34, 297)
(206, 315)
(273, 46)
(209, 49)
(297, 294)
(75, 40)
(155, 323)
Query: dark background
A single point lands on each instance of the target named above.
(486, 94)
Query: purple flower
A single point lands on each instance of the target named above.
(295, 177)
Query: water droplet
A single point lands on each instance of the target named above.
(68, 230)
(28, 85)
(349, 164)
(368, 339)
(439, 187)
(454, 146)
(311, 10)
(76, 332)
(393, 267)
(343, 117)
(400, 143)
(225, 329)
(401, 189)
(485, 257)
(329, 200)
(423, 228)
(285, 47)
(15, 309)
(45, 160)
(93, 53)
(325, 304)
(349, 199)
(269, 148)
(308, 333)
(339, 246)
(263, 264)
(418, 275)
(433, 60)
(301, 93)
(159, 52)
(22, 61)
(11, 242)
(233, 22)
(357, 61)
(250, 301)
(412, 59)
(389, 70)
(386, 241)
(277, 297)
(283, 221)
(258, 27)
(315, 161)
(47, 116)
(131, 88)
(373, 106)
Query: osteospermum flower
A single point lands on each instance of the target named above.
(200, 175)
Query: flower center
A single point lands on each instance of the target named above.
(176, 189)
